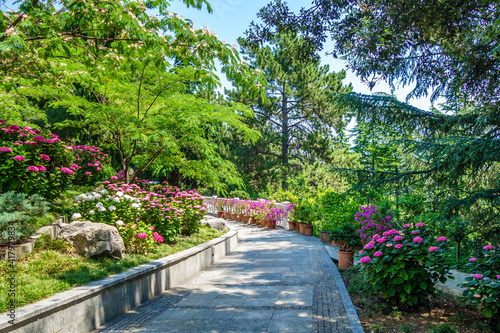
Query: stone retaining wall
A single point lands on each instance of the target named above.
(83, 309)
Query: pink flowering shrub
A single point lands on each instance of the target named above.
(483, 288)
(138, 237)
(405, 268)
(373, 220)
(90, 165)
(33, 161)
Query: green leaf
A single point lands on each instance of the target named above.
(423, 285)
(391, 292)
(407, 288)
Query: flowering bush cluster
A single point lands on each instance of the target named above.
(144, 218)
(33, 161)
(405, 265)
(483, 288)
(90, 163)
(372, 221)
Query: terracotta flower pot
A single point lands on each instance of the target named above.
(308, 229)
(263, 223)
(302, 229)
(324, 236)
(220, 214)
(271, 225)
(227, 215)
(338, 242)
(292, 225)
(234, 216)
(346, 259)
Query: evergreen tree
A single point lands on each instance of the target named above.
(297, 117)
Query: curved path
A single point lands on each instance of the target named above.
(275, 281)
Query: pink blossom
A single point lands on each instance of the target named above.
(39, 138)
(98, 169)
(377, 254)
(488, 247)
(369, 246)
(420, 225)
(407, 226)
(106, 182)
(5, 150)
(41, 168)
(388, 245)
(142, 235)
(361, 251)
(152, 228)
(2, 122)
(33, 168)
(381, 240)
(45, 157)
(19, 158)
(418, 240)
(398, 238)
(365, 260)
(398, 246)
(88, 173)
(415, 232)
(472, 259)
(477, 276)
(433, 248)
(441, 239)
(477, 296)
(114, 178)
(497, 276)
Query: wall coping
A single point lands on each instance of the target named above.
(70, 297)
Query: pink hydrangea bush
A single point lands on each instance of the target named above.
(33, 161)
(483, 288)
(405, 271)
(90, 165)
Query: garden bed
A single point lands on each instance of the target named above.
(445, 313)
(53, 268)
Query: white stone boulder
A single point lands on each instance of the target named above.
(93, 240)
(215, 223)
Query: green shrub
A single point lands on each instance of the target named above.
(25, 211)
(404, 265)
(45, 242)
(444, 328)
(483, 288)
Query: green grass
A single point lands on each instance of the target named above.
(51, 269)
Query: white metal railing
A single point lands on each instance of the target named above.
(283, 222)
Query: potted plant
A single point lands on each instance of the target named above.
(273, 215)
(219, 206)
(291, 217)
(227, 209)
(234, 204)
(346, 252)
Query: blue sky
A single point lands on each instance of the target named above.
(230, 19)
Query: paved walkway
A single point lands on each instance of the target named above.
(275, 281)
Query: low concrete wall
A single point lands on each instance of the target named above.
(27, 247)
(83, 309)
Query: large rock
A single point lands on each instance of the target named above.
(93, 240)
(215, 223)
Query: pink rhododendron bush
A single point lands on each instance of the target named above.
(403, 265)
(143, 217)
(33, 161)
(90, 164)
(483, 288)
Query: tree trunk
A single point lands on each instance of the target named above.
(284, 141)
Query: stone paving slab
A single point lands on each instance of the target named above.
(275, 281)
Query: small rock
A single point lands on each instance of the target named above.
(93, 240)
(215, 223)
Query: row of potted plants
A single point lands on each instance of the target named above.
(261, 212)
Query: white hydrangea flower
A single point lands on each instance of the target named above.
(91, 212)
(119, 222)
(76, 216)
(136, 200)
(135, 205)
(116, 200)
(111, 208)
(104, 192)
(101, 209)
(99, 205)
(119, 194)
(128, 197)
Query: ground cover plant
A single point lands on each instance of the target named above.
(53, 268)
